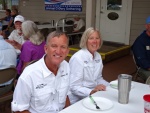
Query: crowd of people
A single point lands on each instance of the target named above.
(51, 83)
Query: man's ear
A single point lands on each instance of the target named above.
(45, 48)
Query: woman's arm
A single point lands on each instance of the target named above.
(76, 78)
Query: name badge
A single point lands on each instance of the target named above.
(147, 47)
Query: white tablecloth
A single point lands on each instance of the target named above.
(135, 105)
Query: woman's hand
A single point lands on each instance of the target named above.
(100, 87)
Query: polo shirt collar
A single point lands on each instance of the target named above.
(89, 55)
(47, 72)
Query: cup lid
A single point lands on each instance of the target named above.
(147, 97)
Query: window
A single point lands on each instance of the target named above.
(8, 4)
(114, 4)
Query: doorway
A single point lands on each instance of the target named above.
(113, 20)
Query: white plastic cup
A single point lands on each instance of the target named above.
(146, 103)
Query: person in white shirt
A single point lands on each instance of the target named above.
(45, 83)
(78, 24)
(16, 37)
(6, 61)
(86, 67)
(6, 50)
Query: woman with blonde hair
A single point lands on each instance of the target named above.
(33, 48)
(86, 67)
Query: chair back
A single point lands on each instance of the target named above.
(137, 76)
(6, 75)
(33, 61)
(135, 62)
(148, 80)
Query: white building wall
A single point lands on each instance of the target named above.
(34, 10)
(140, 11)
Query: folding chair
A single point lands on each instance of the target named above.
(6, 92)
(148, 81)
(136, 76)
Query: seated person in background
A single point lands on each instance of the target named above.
(8, 58)
(141, 51)
(16, 37)
(45, 83)
(33, 48)
(6, 18)
(78, 24)
(11, 26)
(5, 22)
(86, 67)
(6, 50)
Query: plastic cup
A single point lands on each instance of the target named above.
(146, 103)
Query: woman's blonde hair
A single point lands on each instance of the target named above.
(31, 32)
(86, 35)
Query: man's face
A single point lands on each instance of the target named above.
(18, 25)
(56, 50)
(77, 18)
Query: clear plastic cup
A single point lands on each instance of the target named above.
(146, 103)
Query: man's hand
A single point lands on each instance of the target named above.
(15, 44)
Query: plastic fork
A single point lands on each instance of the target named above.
(97, 107)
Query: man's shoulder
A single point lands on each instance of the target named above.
(14, 32)
(32, 69)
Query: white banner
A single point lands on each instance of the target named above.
(63, 5)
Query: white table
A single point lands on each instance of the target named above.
(135, 105)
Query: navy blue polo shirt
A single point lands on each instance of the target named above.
(141, 50)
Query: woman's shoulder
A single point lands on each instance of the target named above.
(79, 55)
(27, 43)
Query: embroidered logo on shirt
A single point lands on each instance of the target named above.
(64, 75)
(147, 47)
(40, 86)
(85, 62)
(97, 61)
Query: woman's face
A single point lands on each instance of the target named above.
(93, 42)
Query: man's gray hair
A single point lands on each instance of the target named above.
(56, 33)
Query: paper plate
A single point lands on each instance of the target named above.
(114, 84)
(103, 103)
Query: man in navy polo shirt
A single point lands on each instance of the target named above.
(141, 51)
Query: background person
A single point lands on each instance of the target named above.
(6, 61)
(16, 37)
(45, 83)
(33, 48)
(11, 27)
(6, 19)
(78, 24)
(141, 51)
(86, 67)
